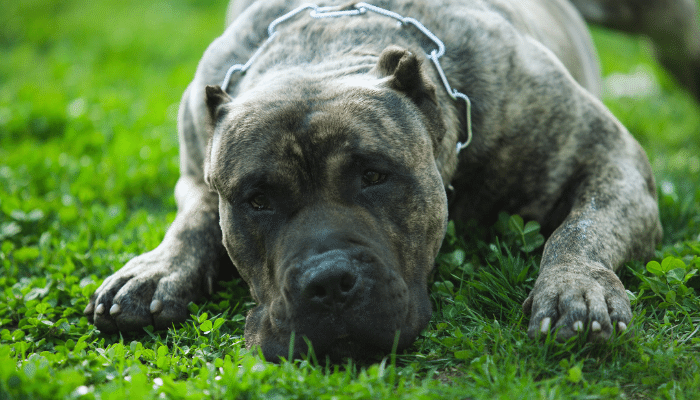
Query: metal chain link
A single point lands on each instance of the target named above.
(360, 9)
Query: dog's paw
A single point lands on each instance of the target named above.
(151, 289)
(569, 301)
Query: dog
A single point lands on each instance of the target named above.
(317, 145)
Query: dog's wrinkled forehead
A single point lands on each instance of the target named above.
(284, 127)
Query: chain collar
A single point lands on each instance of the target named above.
(360, 9)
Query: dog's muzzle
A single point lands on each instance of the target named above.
(342, 295)
(328, 284)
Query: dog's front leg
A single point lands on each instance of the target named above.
(155, 288)
(614, 218)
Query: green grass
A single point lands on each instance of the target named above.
(88, 161)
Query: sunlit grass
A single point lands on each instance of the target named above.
(88, 161)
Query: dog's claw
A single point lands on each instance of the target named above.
(115, 309)
(545, 325)
(156, 306)
(89, 309)
(100, 309)
(593, 307)
(621, 326)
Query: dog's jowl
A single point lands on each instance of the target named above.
(318, 171)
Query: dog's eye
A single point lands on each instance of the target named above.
(372, 178)
(260, 202)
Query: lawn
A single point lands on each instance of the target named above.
(88, 161)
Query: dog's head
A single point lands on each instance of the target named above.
(331, 204)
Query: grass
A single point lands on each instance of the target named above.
(88, 161)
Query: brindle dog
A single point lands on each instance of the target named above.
(321, 172)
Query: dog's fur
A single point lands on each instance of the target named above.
(321, 174)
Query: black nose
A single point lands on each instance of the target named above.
(332, 283)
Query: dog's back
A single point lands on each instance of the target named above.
(565, 32)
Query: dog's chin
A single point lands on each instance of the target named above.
(337, 351)
(340, 342)
(343, 349)
(340, 350)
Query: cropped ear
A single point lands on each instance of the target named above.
(216, 97)
(406, 73)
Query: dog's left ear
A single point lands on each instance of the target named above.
(216, 97)
(406, 74)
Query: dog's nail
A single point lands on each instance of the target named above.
(100, 309)
(210, 281)
(89, 309)
(156, 306)
(545, 324)
(115, 309)
(595, 326)
(621, 326)
(578, 326)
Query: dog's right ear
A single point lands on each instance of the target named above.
(405, 73)
(216, 97)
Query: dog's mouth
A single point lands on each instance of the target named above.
(343, 348)
(359, 352)
(359, 323)
(337, 336)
